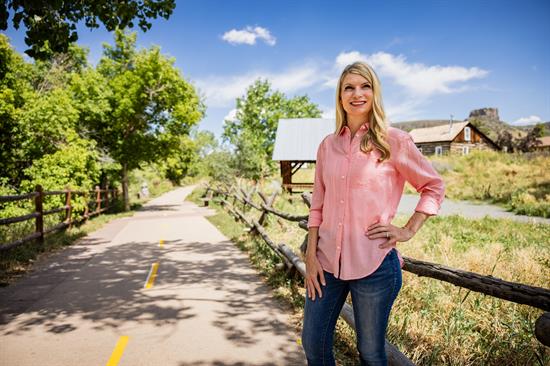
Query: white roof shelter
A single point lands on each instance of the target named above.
(297, 139)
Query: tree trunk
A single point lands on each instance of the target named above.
(125, 187)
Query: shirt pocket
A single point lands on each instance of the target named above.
(370, 174)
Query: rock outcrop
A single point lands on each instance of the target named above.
(485, 113)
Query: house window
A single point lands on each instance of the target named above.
(467, 134)
(420, 149)
(438, 150)
(465, 150)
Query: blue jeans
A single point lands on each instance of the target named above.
(372, 298)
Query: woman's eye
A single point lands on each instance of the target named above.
(366, 86)
(348, 88)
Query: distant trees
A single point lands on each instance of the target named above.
(522, 144)
(530, 141)
(252, 132)
(136, 105)
(51, 25)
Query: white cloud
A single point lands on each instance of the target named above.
(421, 79)
(418, 82)
(221, 91)
(404, 110)
(525, 121)
(249, 36)
(231, 115)
(409, 88)
(417, 78)
(346, 58)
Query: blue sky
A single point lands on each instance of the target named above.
(434, 58)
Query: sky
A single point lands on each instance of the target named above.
(435, 59)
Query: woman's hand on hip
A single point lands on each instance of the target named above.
(314, 275)
(393, 234)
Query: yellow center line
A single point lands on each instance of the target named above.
(152, 275)
(118, 351)
(161, 243)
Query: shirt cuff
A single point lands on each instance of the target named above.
(314, 220)
(428, 205)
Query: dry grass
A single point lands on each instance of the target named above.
(520, 182)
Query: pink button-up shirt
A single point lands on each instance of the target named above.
(352, 191)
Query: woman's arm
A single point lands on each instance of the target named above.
(397, 234)
(419, 172)
(314, 271)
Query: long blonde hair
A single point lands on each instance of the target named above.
(377, 135)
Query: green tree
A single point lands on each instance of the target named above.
(182, 162)
(252, 132)
(58, 70)
(530, 141)
(147, 105)
(39, 123)
(75, 164)
(51, 25)
(506, 141)
(15, 89)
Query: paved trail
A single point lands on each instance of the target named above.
(468, 209)
(206, 305)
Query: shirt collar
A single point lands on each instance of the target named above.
(363, 129)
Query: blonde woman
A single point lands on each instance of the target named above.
(360, 173)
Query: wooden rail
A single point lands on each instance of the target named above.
(515, 292)
(101, 196)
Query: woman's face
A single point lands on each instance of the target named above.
(356, 96)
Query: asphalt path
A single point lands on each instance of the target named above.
(163, 287)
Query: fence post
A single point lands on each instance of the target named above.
(39, 208)
(86, 208)
(97, 199)
(69, 209)
(107, 197)
(269, 203)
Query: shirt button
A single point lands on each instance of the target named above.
(341, 201)
(339, 224)
(343, 177)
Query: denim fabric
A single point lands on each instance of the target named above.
(372, 299)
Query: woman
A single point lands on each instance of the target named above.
(359, 178)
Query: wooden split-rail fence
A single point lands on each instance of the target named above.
(102, 199)
(489, 285)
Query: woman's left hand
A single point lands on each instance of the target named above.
(393, 234)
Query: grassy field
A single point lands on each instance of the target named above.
(518, 182)
(432, 322)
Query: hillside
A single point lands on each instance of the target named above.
(545, 124)
(410, 125)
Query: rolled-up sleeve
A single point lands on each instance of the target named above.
(419, 172)
(318, 197)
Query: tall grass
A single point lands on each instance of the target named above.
(520, 182)
(432, 322)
